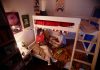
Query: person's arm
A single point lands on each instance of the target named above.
(56, 42)
(60, 38)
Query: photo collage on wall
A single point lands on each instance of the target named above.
(36, 7)
(59, 5)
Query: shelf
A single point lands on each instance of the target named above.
(83, 51)
(6, 43)
(80, 61)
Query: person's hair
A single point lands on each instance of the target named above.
(39, 30)
(60, 32)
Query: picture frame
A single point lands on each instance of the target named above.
(26, 21)
(14, 21)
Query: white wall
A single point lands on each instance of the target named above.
(72, 8)
(26, 36)
(22, 7)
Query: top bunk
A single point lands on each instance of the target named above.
(88, 26)
(56, 23)
(68, 24)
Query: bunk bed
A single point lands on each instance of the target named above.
(69, 26)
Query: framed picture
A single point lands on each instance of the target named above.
(26, 21)
(14, 21)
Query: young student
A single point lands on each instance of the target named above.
(61, 39)
(40, 39)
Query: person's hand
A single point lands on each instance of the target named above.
(38, 42)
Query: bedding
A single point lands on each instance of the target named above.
(38, 51)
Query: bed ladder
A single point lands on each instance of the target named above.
(95, 54)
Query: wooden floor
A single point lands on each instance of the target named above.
(37, 64)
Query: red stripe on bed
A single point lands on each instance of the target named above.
(54, 23)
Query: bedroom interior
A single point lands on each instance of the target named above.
(81, 31)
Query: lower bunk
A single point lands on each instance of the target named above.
(63, 55)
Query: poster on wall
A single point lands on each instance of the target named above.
(14, 21)
(59, 5)
(26, 22)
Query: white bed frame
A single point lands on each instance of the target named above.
(74, 28)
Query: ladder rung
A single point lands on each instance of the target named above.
(87, 41)
(83, 51)
(87, 33)
(80, 61)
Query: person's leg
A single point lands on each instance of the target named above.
(48, 60)
(46, 50)
(48, 53)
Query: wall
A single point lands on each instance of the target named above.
(26, 36)
(73, 8)
(22, 7)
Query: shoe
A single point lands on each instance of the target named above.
(53, 60)
(49, 64)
